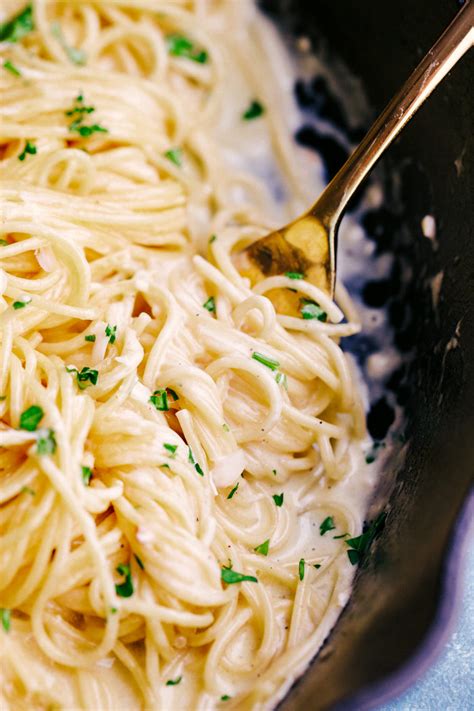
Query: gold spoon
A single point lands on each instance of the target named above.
(308, 244)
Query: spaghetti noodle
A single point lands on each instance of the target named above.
(177, 459)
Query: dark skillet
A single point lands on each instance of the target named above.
(406, 590)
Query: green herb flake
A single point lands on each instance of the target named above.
(230, 576)
(181, 46)
(225, 427)
(212, 239)
(20, 304)
(370, 458)
(90, 338)
(281, 379)
(86, 377)
(30, 418)
(310, 310)
(226, 697)
(113, 610)
(359, 546)
(4, 243)
(173, 682)
(191, 459)
(175, 155)
(160, 400)
(266, 360)
(233, 490)
(111, 333)
(80, 110)
(301, 565)
(27, 490)
(198, 468)
(125, 589)
(86, 131)
(75, 55)
(10, 67)
(171, 448)
(274, 472)
(173, 394)
(46, 442)
(139, 561)
(327, 525)
(210, 305)
(278, 499)
(5, 617)
(294, 275)
(254, 110)
(19, 26)
(263, 547)
(343, 535)
(86, 473)
(317, 566)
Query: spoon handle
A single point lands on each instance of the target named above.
(441, 58)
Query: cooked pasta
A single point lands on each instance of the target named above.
(179, 463)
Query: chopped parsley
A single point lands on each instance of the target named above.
(310, 309)
(172, 394)
(46, 442)
(359, 546)
(226, 697)
(19, 26)
(233, 490)
(210, 304)
(86, 131)
(254, 110)
(27, 490)
(90, 338)
(212, 239)
(263, 547)
(225, 427)
(10, 67)
(111, 333)
(160, 400)
(30, 149)
(173, 682)
(343, 535)
(317, 566)
(124, 589)
(87, 376)
(30, 418)
(80, 110)
(266, 360)
(278, 499)
(86, 473)
(370, 458)
(20, 304)
(294, 275)
(76, 56)
(4, 243)
(139, 561)
(301, 565)
(5, 617)
(327, 525)
(171, 448)
(175, 155)
(198, 468)
(230, 576)
(281, 379)
(181, 46)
